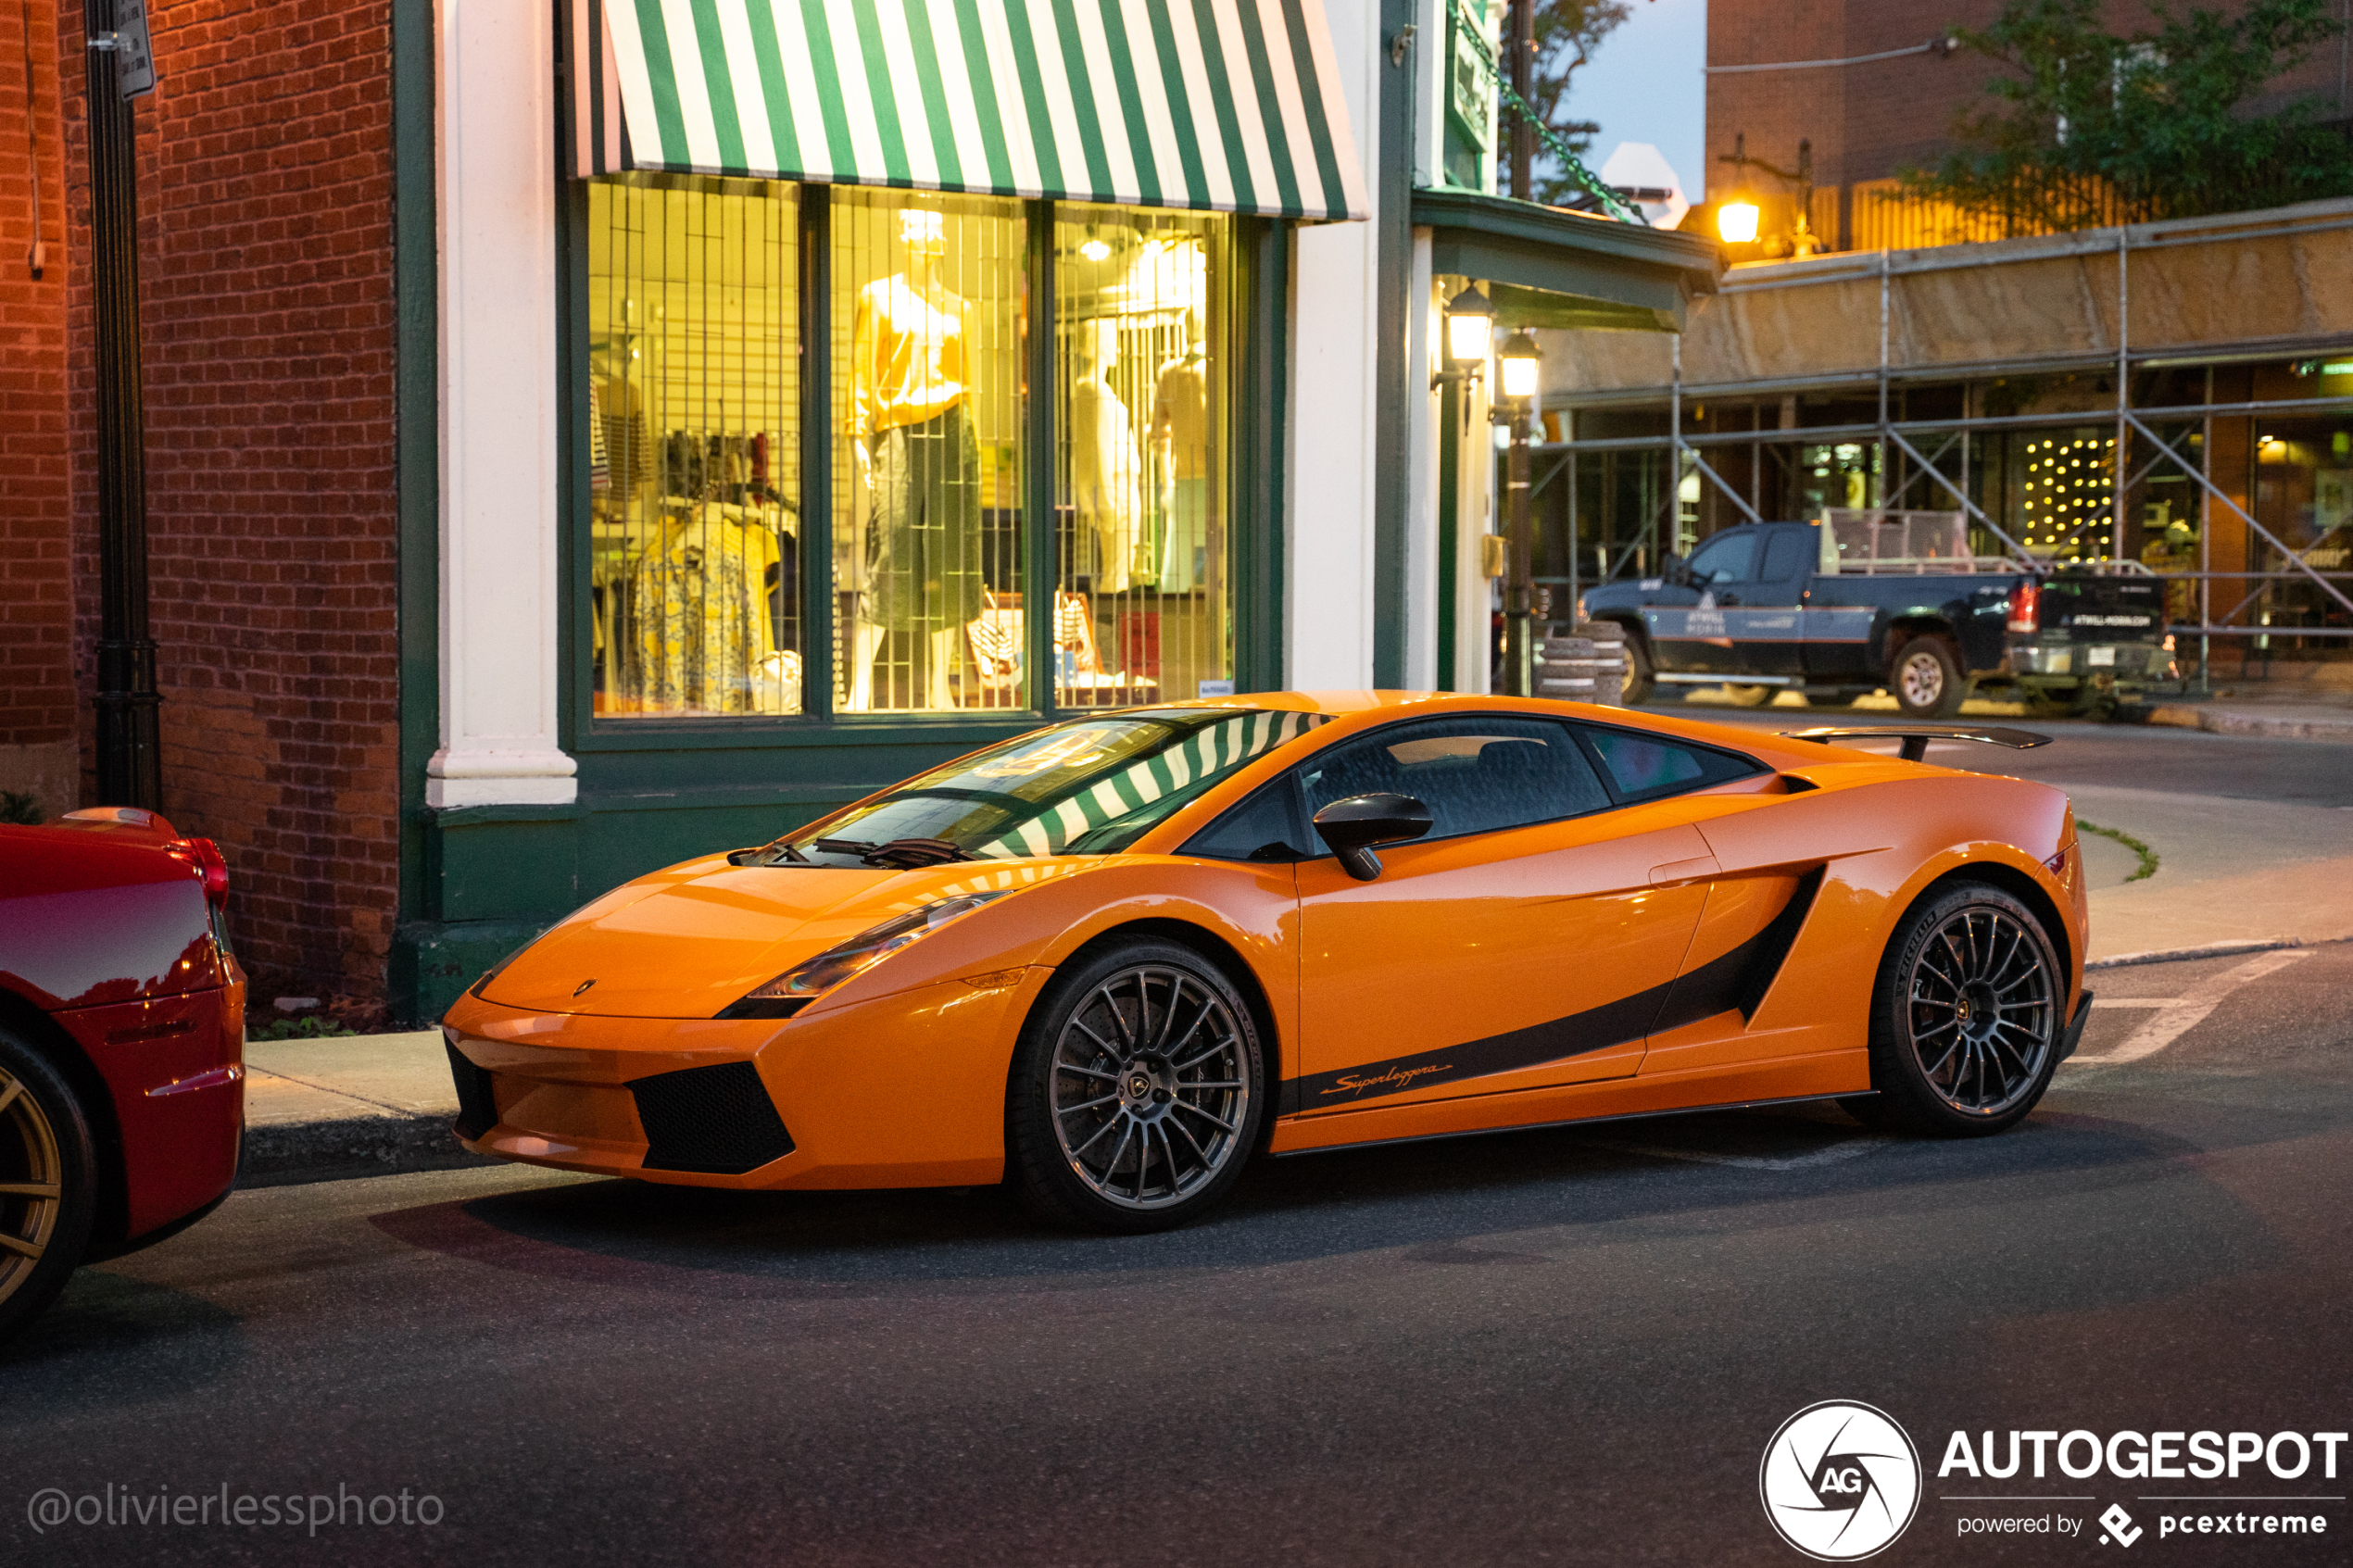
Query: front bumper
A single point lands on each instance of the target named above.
(906, 1090)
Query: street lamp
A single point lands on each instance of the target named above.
(1519, 362)
(1519, 365)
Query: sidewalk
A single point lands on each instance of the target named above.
(365, 1105)
(2272, 720)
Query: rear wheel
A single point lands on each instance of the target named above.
(1138, 1091)
(1966, 1017)
(48, 1182)
(1925, 678)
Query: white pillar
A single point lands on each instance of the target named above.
(501, 534)
(1424, 330)
(1328, 469)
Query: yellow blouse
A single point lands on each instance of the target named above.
(907, 355)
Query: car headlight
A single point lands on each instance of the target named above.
(812, 978)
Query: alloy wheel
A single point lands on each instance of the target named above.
(1981, 1008)
(31, 1183)
(1151, 1087)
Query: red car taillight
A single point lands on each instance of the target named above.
(205, 855)
(2026, 607)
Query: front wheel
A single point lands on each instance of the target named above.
(1641, 679)
(1138, 1091)
(48, 1182)
(1925, 678)
(1966, 1017)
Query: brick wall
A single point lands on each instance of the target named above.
(1867, 121)
(267, 294)
(37, 702)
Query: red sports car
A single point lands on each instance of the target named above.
(122, 1044)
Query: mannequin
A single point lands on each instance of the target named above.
(915, 572)
(1106, 481)
(1180, 435)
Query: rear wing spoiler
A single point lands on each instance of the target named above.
(1916, 739)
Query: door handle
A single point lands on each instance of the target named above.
(1684, 871)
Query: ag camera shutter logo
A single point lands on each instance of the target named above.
(1840, 1481)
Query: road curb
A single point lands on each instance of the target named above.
(2180, 955)
(2237, 722)
(293, 1153)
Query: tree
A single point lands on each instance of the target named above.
(1567, 33)
(2099, 127)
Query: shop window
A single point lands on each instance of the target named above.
(694, 449)
(927, 298)
(1143, 332)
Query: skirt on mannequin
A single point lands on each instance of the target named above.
(924, 577)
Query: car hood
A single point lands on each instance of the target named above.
(688, 941)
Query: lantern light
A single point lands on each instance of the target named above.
(1736, 219)
(1520, 361)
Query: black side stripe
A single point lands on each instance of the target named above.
(1739, 979)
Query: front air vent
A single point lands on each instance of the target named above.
(477, 1108)
(717, 1120)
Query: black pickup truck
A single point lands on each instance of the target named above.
(1862, 602)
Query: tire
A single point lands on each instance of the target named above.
(1145, 1050)
(1967, 954)
(1925, 678)
(48, 1182)
(1747, 697)
(1641, 679)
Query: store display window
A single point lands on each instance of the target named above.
(911, 590)
(927, 295)
(1142, 340)
(694, 433)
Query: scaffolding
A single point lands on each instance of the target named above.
(1917, 450)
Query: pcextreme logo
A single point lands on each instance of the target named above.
(1840, 1480)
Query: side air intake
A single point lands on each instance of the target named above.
(717, 1120)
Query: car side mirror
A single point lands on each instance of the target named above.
(1676, 570)
(1354, 826)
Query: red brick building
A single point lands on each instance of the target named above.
(266, 267)
(1869, 120)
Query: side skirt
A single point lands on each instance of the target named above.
(1576, 1121)
(1789, 1080)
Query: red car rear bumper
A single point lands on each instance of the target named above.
(174, 1068)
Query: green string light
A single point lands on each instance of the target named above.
(1611, 202)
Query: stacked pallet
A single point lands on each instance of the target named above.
(1589, 667)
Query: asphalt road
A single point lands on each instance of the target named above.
(2149, 756)
(1549, 1347)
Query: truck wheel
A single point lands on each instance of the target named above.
(1925, 678)
(1641, 680)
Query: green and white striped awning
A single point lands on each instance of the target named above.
(1229, 105)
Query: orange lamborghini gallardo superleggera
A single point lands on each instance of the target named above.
(1110, 961)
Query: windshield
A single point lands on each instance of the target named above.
(1092, 786)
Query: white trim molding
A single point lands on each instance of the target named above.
(501, 534)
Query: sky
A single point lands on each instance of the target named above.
(1644, 84)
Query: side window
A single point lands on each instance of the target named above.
(1268, 826)
(1788, 554)
(1476, 775)
(1648, 767)
(1728, 558)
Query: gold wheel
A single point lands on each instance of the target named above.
(31, 1185)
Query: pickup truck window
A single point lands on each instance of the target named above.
(1728, 558)
(1788, 554)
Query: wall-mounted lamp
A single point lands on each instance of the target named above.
(1470, 333)
(1736, 219)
